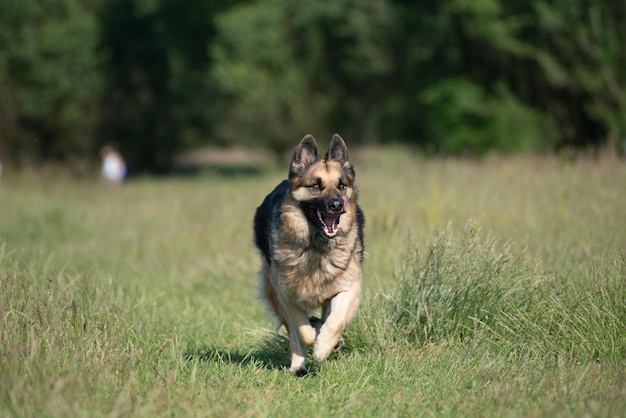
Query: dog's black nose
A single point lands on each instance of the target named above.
(335, 204)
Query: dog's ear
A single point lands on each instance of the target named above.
(338, 151)
(306, 153)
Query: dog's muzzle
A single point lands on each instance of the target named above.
(329, 217)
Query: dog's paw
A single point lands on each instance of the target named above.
(322, 351)
(320, 355)
(298, 371)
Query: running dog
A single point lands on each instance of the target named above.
(309, 231)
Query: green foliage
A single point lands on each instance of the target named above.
(255, 66)
(492, 66)
(575, 48)
(157, 100)
(576, 316)
(467, 288)
(458, 285)
(292, 67)
(468, 119)
(455, 77)
(48, 79)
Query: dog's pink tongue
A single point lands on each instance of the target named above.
(329, 224)
(329, 220)
(345, 203)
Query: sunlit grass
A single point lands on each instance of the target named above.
(492, 287)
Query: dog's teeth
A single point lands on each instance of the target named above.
(330, 230)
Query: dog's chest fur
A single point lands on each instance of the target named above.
(309, 268)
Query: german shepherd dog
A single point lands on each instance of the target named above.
(309, 231)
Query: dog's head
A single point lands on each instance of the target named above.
(323, 186)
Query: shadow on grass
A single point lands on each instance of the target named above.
(272, 353)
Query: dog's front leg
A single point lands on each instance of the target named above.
(298, 353)
(301, 333)
(342, 309)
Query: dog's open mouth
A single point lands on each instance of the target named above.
(329, 222)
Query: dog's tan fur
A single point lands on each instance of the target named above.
(303, 269)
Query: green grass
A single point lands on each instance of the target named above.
(492, 288)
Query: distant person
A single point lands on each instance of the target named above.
(113, 165)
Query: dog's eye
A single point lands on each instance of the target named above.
(341, 185)
(317, 185)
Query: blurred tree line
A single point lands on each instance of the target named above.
(449, 76)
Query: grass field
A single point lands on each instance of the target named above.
(492, 288)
